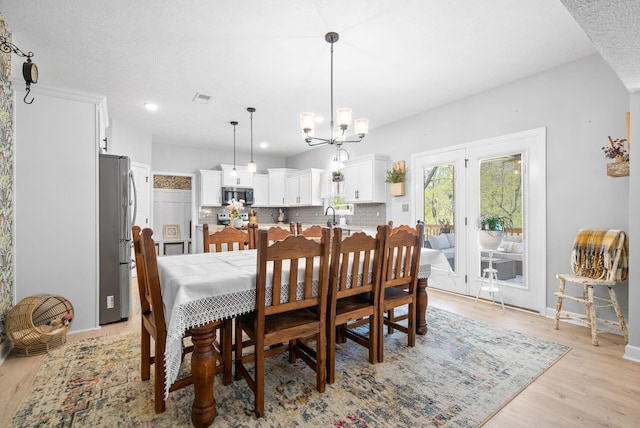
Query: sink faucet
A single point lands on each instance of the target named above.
(332, 222)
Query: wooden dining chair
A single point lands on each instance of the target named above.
(417, 232)
(354, 283)
(227, 239)
(252, 229)
(154, 324)
(277, 233)
(291, 303)
(398, 285)
(314, 231)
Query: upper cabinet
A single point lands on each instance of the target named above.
(209, 188)
(244, 178)
(303, 188)
(364, 179)
(277, 180)
(260, 190)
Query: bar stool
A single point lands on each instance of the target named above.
(490, 274)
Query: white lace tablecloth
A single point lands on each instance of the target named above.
(200, 288)
(432, 259)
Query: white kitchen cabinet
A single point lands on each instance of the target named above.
(260, 190)
(277, 185)
(244, 178)
(303, 188)
(364, 179)
(209, 188)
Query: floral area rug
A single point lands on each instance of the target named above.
(458, 375)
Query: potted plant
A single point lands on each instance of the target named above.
(337, 176)
(396, 177)
(615, 150)
(490, 230)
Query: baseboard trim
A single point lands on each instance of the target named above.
(632, 353)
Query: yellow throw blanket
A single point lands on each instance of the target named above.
(594, 253)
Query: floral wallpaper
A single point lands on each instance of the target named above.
(175, 182)
(6, 183)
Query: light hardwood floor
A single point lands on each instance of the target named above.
(590, 386)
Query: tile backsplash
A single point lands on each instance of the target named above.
(365, 215)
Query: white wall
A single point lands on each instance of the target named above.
(580, 103)
(175, 158)
(56, 182)
(126, 140)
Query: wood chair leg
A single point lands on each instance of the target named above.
(321, 363)
(392, 318)
(556, 322)
(145, 355)
(238, 353)
(331, 353)
(616, 307)
(226, 343)
(591, 311)
(160, 375)
(259, 379)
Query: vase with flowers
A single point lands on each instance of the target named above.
(615, 150)
(234, 208)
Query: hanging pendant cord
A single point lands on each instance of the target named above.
(331, 137)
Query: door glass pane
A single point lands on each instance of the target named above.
(439, 210)
(501, 195)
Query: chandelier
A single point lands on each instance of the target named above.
(338, 137)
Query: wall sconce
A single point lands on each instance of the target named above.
(29, 69)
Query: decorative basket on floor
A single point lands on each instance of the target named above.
(39, 323)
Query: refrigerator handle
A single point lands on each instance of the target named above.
(135, 199)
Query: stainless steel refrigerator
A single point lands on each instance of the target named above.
(115, 207)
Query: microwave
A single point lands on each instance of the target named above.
(237, 193)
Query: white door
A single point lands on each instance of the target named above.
(441, 176)
(476, 191)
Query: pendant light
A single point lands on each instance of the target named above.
(234, 171)
(343, 116)
(251, 167)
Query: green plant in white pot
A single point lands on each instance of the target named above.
(490, 230)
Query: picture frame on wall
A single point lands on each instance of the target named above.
(171, 231)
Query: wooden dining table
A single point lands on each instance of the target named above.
(200, 288)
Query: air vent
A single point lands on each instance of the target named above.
(201, 98)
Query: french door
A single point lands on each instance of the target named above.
(503, 176)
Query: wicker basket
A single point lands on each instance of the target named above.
(39, 323)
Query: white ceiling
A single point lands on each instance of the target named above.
(394, 58)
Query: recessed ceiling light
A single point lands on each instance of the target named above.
(319, 119)
(264, 145)
(151, 106)
(201, 98)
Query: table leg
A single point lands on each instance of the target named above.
(203, 370)
(422, 299)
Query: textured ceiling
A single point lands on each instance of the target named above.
(393, 60)
(614, 28)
